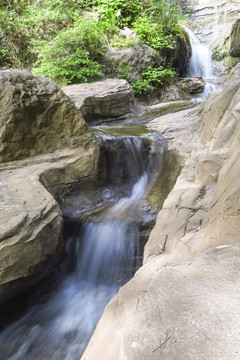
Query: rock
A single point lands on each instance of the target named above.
(235, 39)
(212, 23)
(190, 311)
(39, 118)
(102, 100)
(192, 85)
(180, 55)
(183, 302)
(36, 117)
(130, 61)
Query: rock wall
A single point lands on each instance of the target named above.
(39, 123)
(212, 23)
(184, 303)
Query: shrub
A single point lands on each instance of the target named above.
(73, 54)
(153, 34)
(155, 77)
(119, 12)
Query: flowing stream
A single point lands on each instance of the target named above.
(101, 257)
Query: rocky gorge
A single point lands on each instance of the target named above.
(183, 301)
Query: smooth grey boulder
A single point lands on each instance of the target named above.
(102, 100)
(235, 39)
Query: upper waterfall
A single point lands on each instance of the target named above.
(200, 62)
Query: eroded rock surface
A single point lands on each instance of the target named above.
(183, 303)
(106, 99)
(38, 119)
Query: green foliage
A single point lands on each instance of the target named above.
(119, 41)
(119, 12)
(153, 34)
(165, 12)
(73, 54)
(153, 77)
(57, 40)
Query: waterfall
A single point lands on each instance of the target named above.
(200, 62)
(101, 257)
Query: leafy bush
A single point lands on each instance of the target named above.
(119, 12)
(73, 54)
(155, 77)
(153, 34)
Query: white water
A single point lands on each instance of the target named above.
(103, 260)
(200, 63)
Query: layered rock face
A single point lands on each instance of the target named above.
(38, 119)
(102, 100)
(212, 22)
(184, 303)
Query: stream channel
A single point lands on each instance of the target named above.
(104, 246)
(105, 233)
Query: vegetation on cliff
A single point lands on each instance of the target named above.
(66, 40)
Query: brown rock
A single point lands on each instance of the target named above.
(36, 117)
(102, 100)
(193, 85)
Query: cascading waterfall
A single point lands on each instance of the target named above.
(200, 63)
(102, 257)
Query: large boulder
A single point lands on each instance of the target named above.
(183, 302)
(37, 119)
(102, 100)
(235, 39)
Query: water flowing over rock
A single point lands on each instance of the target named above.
(102, 100)
(200, 60)
(183, 302)
(235, 39)
(37, 119)
(212, 23)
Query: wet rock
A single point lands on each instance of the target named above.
(102, 100)
(31, 241)
(180, 55)
(235, 39)
(193, 85)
